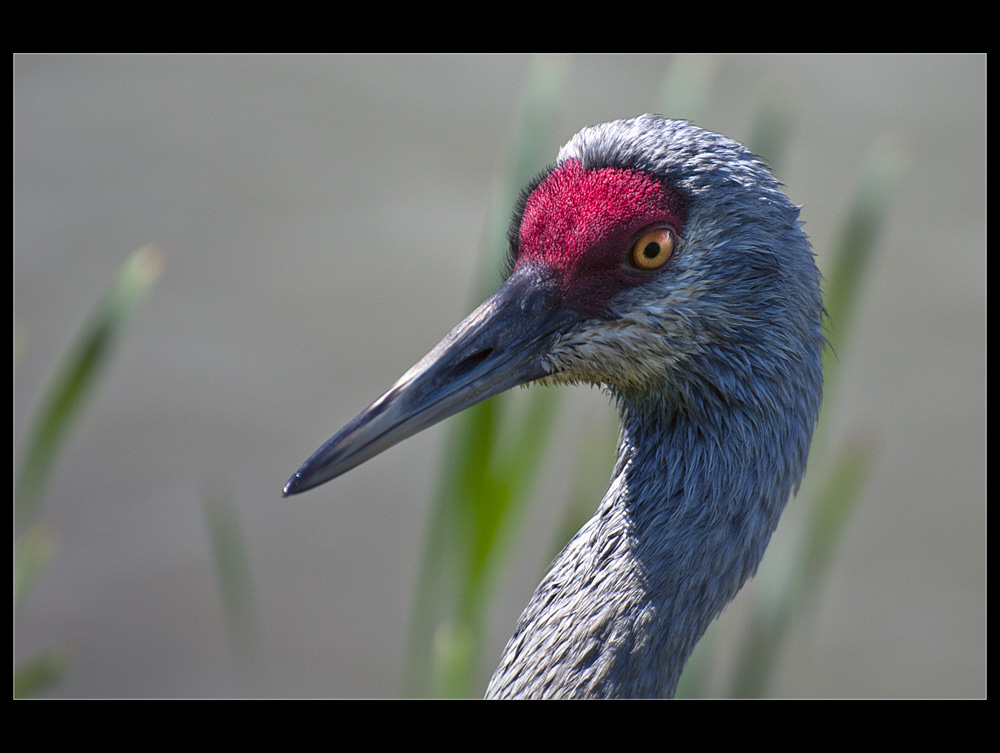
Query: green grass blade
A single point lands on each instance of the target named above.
(41, 672)
(61, 405)
(482, 485)
(881, 176)
(35, 549)
(829, 514)
(830, 505)
(232, 567)
(835, 501)
(74, 380)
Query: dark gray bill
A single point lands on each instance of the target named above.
(499, 346)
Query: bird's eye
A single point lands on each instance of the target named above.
(653, 249)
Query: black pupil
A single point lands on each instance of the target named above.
(651, 251)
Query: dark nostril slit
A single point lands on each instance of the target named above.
(473, 361)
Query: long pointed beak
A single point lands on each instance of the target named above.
(500, 345)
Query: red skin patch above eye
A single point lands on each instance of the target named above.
(582, 224)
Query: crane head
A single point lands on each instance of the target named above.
(653, 258)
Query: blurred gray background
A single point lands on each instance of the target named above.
(322, 221)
